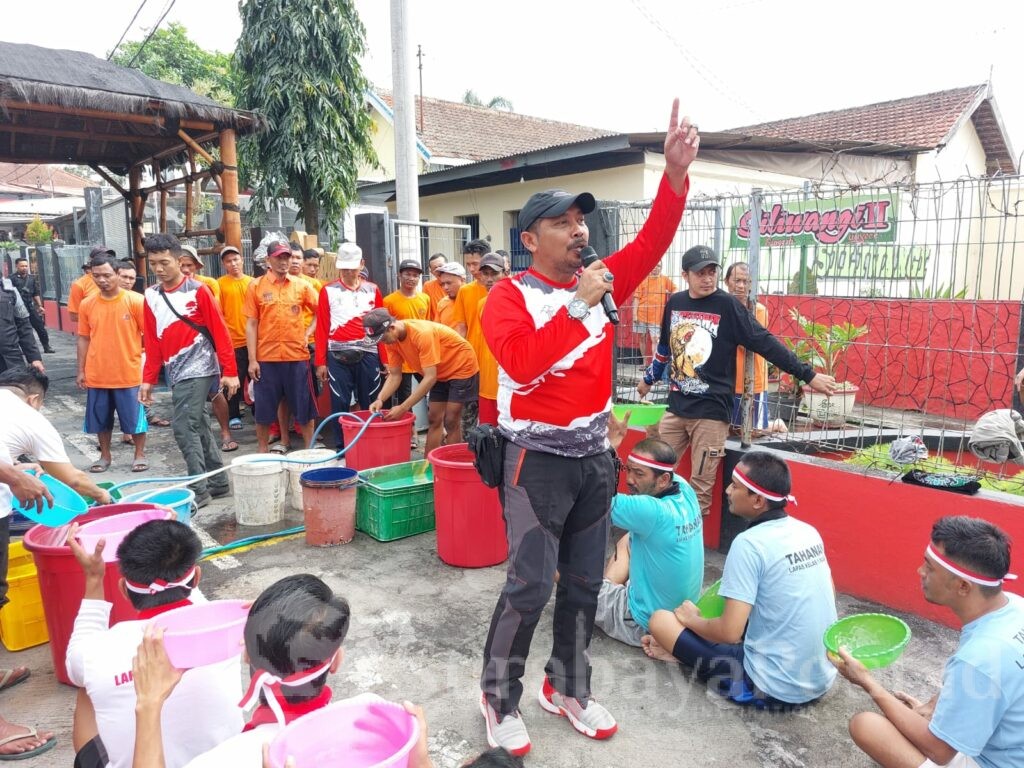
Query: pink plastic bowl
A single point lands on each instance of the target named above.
(114, 528)
(205, 633)
(362, 732)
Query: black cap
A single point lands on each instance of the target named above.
(553, 202)
(101, 250)
(494, 261)
(699, 257)
(410, 264)
(376, 321)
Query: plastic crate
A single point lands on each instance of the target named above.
(22, 623)
(396, 501)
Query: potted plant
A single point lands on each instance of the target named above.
(823, 348)
(785, 400)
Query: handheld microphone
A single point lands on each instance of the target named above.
(588, 256)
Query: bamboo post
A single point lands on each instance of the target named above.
(188, 189)
(231, 221)
(163, 196)
(136, 206)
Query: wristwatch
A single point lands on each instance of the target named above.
(578, 309)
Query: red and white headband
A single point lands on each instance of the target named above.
(770, 495)
(963, 573)
(265, 681)
(660, 466)
(160, 585)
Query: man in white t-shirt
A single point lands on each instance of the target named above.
(765, 649)
(977, 719)
(158, 574)
(293, 640)
(24, 430)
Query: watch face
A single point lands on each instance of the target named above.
(578, 309)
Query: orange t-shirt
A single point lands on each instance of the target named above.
(427, 343)
(309, 314)
(488, 365)
(444, 312)
(82, 288)
(211, 283)
(466, 301)
(760, 364)
(434, 290)
(650, 298)
(408, 308)
(278, 304)
(114, 329)
(232, 300)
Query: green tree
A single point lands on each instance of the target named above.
(298, 65)
(170, 55)
(498, 102)
(38, 231)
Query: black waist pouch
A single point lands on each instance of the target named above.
(488, 447)
(347, 356)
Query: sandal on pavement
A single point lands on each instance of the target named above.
(127, 440)
(279, 448)
(32, 734)
(234, 424)
(12, 677)
(100, 465)
(140, 465)
(159, 421)
(227, 446)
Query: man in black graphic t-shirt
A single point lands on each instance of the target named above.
(700, 330)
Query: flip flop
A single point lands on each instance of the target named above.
(101, 465)
(11, 678)
(235, 424)
(158, 421)
(127, 440)
(32, 734)
(140, 465)
(227, 446)
(279, 448)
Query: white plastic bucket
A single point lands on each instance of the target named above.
(260, 489)
(314, 460)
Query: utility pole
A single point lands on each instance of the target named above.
(419, 56)
(406, 171)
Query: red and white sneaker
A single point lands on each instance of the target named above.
(590, 718)
(508, 732)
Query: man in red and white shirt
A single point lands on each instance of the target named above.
(186, 334)
(553, 343)
(343, 358)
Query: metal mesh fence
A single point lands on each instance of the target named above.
(418, 241)
(913, 291)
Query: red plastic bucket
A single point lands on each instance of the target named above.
(329, 505)
(62, 583)
(383, 442)
(470, 523)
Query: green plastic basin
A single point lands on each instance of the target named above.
(641, 415)
(710, 605)
(875, 639)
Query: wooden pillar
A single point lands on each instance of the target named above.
(188, 190)
(231, 221)
(136, 208)
(158, 181)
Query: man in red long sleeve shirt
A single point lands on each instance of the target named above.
(186, 334)
(553, 343)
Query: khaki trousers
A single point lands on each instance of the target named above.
(706, 440)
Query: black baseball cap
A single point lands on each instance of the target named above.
(376, 321)
(494, 261)
(699, 257)
(100, 250)
(410, 264)
(553, 202)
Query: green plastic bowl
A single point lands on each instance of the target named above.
(641, 416)
(710, 605)
(115, 495)
(875, 639)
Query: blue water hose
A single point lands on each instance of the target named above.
(238, 544)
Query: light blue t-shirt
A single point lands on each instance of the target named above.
(980, 711)
(666, 558)
(779, 568)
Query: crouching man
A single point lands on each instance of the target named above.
(765, 649)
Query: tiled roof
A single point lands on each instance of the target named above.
(462, 131)
(917, 123)
(18, 179)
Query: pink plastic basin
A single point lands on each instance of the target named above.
(362, 732)
(205, 633)
(113, 529)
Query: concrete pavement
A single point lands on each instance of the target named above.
(418, 627)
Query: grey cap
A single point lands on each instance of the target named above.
(410, 264)
(494, 261)
(553, 202)
(452, 268)
(699, 257)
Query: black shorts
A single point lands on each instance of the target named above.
(456, 390)
(92, 755)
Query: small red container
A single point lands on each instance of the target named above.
(470, 523)
(62, 583)
(383, 442)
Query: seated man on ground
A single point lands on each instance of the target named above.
(765, 649)
(158, 573)
(293, 640)
(977, 718)
(659, 563)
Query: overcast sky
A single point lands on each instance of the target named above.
(617, 64)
